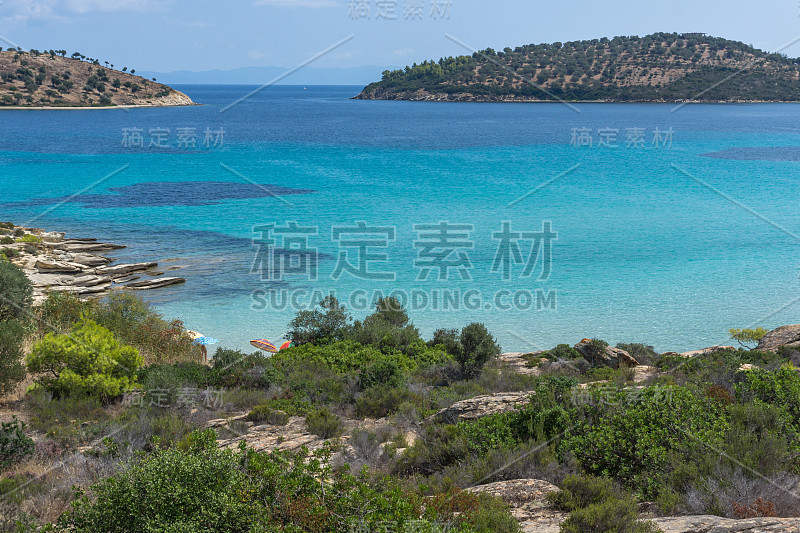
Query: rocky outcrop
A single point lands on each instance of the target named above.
(480, 406)
(54, 263)
(516, 362)
(527, 499)
(607, 356)
(716, 524)
(782, 336)
(156, 283)
(124, 270)
(707, 351)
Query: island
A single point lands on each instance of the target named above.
(50, 79)
(661, 67)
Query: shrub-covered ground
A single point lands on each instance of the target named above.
(109, 435)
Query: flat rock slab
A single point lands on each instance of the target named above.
(515, 361)
(267, 438)
(480, 406)
(716, 524)
(124, 270)
(154, 283)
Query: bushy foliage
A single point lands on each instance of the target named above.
(265, 414)
(17, 290)
(233, 368)
(90, 361)
(323, 423)
(747, 337)
(132, 320)
(197, 487)
(631, 437)
(596, 505)
(327, 324)
(15, 300)
(14, 444)
(12, 370)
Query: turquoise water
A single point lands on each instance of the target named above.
(670, 244)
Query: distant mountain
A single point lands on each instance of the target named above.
(49, 79)
(261, 75)
(662, 67)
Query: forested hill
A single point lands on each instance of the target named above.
(50, 79)
(662, 67)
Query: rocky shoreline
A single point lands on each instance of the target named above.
(422, 95)
(78, 266)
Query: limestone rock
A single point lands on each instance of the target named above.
(90, 260)
(123, 270)
(610, 356)
(56, 266)
(519, 365)
(154, 283)
(782, 336)
(266, 437)
(480, 406)
(716, 524)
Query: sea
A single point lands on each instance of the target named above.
(663, 224)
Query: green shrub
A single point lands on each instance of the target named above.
(745, 337)
(387, 329)
(596, 505)
(6, 240)
(196, 486)
(29, 238)
(88, 361)
(382, 400)
(232, 368)
(14, 444)
(618, 515)
(340, 357)
(323, 423)
(562, 352)
(382, 372)
(631, 436)
(780, 387)
(477, 347)
(579, 491)
(327, 324)
(263, 413)
(643, 353)
(12, 371)
(16, 291)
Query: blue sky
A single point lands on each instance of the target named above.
(165, 35)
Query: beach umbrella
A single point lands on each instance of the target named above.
(285, 345)
(205, 340)
(264, 344)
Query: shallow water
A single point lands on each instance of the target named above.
(669, 242)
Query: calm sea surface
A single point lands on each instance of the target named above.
(549, 223)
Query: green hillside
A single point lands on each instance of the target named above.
(662, 67)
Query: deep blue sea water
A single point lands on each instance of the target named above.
(669, 243)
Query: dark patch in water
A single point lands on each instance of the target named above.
(772, 153)
(170, 193)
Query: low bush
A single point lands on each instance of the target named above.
(264, 414)
(382, 400)
(323, 423)
(596, 505)
(195, 486)
(14, 444)
(88, 361)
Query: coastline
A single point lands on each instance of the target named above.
(476, 99)
(76, 108)
(80, 266)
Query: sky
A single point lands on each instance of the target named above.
(169, 35)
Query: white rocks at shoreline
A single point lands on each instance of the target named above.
(77, 266)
